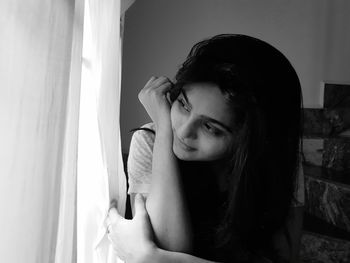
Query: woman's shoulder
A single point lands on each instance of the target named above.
(140, 159)
(145, 133)
(142, 140)
(149, 125)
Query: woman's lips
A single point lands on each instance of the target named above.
(184, 145)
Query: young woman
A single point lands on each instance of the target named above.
(218, 167)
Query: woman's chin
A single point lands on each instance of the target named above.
(183, 155)
(193, 156)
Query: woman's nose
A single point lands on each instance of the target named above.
(188, 130)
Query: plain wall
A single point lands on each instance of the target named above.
(313, 34)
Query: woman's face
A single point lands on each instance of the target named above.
(202, 123)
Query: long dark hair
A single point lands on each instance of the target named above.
(264, 91)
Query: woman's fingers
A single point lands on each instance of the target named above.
(107, 221)
(153, 98)
(159, 89)
(113, 218)
(164, 88)
(150, 81)
(113, 215)
(140, 205)
(161, 80)
(155, 82)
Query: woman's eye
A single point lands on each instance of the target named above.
(183, 104)
(211, 129)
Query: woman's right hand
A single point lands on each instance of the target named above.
(153, 97)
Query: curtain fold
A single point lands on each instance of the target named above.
(66, 247)
(39, 81)
(101, 175)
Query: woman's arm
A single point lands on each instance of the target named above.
(165, 203)
(132, 240)
(162, 256)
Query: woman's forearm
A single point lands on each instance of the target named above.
(165, 203)
(162, 256)
(158, 255)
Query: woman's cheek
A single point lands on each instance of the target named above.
(214, 148)
(177, 117)
(173, 115)
(174, 111)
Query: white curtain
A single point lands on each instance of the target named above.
(40, 65)
(100, 176)
(40, 98)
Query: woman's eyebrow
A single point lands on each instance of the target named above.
(224, 126)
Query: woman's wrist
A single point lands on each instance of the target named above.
(149, 255)
(164, 130)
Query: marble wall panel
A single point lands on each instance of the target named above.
(329, 201)
(315, 123)
(313, 151)
(342, 177)
(337, 108)
(336, 154)
(338, 119)
(336, 95)
(316, 225)
(323, 249)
